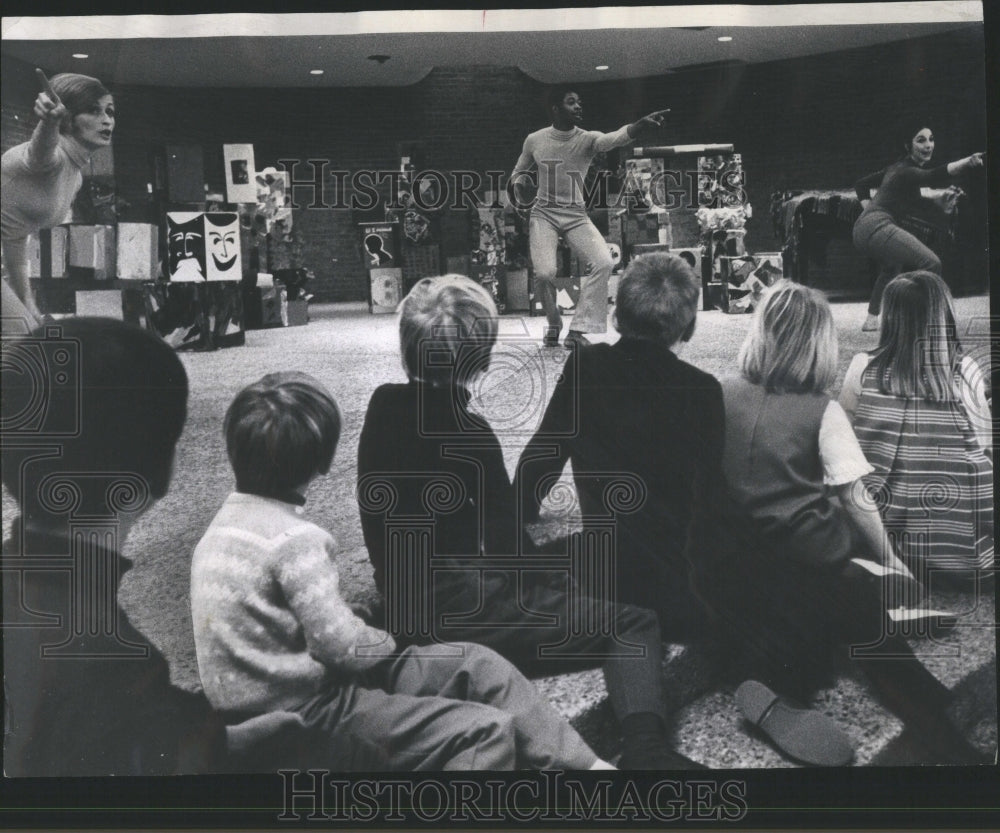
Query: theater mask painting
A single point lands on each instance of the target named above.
(222, 236)
(203, 247)
(186, 246)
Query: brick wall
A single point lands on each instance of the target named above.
(815, 122)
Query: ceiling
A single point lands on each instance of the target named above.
(280, 50)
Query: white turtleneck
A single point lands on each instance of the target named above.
(38, 193)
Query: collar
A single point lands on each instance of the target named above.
(564, 134)
(450, 391)
(290, 497)
(645, 347)
(77, 153)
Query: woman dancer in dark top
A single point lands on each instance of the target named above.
(877, 232)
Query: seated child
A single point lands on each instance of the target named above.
(273, 632)
(434, 493)
(919, 409)
(793, 594)
(637, 407)
(93, 700)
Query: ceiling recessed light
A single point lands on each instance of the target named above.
(80, 55)
(601, 68)
(315, 72)
(724, 39)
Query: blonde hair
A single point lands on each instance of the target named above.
(792, 343)
(918, 350)
(447, 330)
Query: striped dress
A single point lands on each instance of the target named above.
(932, 479)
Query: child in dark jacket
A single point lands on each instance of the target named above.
(440, 520)
(87, 448)
(635, 408)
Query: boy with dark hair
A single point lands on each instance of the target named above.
(273, 632)
(89, 442)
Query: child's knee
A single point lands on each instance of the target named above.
(493, 740)
(482, 657)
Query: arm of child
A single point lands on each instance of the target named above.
(850, 392)
(844, 464)
(861, 509)
(549, 449)
(334, 634)
(976, 401)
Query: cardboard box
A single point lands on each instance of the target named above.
(298, 313)
(380, 245)
(92, 251)
(138, 255)
(102, 303)
(203, 246)
(693, 255)
(54, 250)
(517, 291)
(33, 255)
(386, 289)
(274, 307)
(736, 270)
(648, 248)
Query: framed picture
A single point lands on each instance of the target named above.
(241, 184)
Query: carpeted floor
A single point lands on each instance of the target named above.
(353, 352)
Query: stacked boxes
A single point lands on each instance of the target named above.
(53, 251)
(91, 252)
(138, 256)
(380, 251)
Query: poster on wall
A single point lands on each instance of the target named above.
(380, 244)
(203, 246)
(241, 185)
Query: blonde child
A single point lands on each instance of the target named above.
(793, 592)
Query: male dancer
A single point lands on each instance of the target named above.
(562, 154)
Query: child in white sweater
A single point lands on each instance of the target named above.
(272, 631)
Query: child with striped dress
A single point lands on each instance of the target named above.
(919, 408)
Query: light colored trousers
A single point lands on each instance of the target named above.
(547, 224)
(425, 711)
